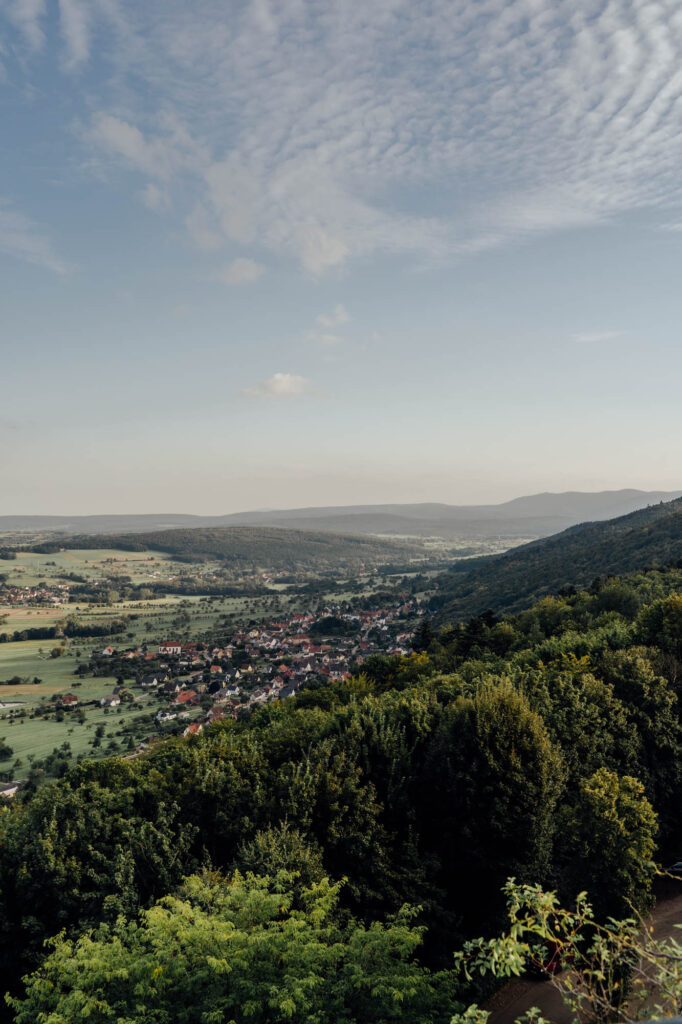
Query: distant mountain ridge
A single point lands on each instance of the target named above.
(645, 538)
(538, 515)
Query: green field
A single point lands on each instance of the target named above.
(146, 620)
(37, 737)
(142, 566)
(25, 660)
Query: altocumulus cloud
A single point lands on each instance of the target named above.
(280, 385)
(240, 271)
(332, 131)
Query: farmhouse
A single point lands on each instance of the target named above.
(170, 647)
(187, 697)
(110, 702)
(193, 730)
(69, 700)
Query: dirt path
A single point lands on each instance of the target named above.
(520, 994)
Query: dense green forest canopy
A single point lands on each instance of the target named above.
(509, 582)
(544, 746)
(245, 548)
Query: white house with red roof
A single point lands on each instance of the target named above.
(170, 647)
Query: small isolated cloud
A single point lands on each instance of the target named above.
(240, 271)
(591, 337)
(280, 385)
(339, 315)
(673, 226)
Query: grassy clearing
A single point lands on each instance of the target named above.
(31, 658)
(36, 738)
(142, 566)
(19, 617)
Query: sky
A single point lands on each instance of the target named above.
(282, 253)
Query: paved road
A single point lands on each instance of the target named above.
(520, 994)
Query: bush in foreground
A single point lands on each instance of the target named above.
(246, 950)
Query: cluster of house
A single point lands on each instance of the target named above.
(53, 593)
(267, 662)
(199, 683)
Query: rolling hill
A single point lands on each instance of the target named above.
(267, 549)
(509, 582)
(538, 515)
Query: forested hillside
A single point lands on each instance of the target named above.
(243, 547)
(544, 746)
(649, 537)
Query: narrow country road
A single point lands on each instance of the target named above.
(520, 994)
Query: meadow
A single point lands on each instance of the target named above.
(142, 566)
(36, 738)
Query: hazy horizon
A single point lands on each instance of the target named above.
(282, 254)
(360, 504)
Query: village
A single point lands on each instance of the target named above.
(201, 683)
(36, 595)
(100, 657)
(128, 698)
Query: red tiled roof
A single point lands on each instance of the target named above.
(186, 697)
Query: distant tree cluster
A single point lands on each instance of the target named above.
(251, 548)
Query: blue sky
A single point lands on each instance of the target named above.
(273, 254)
